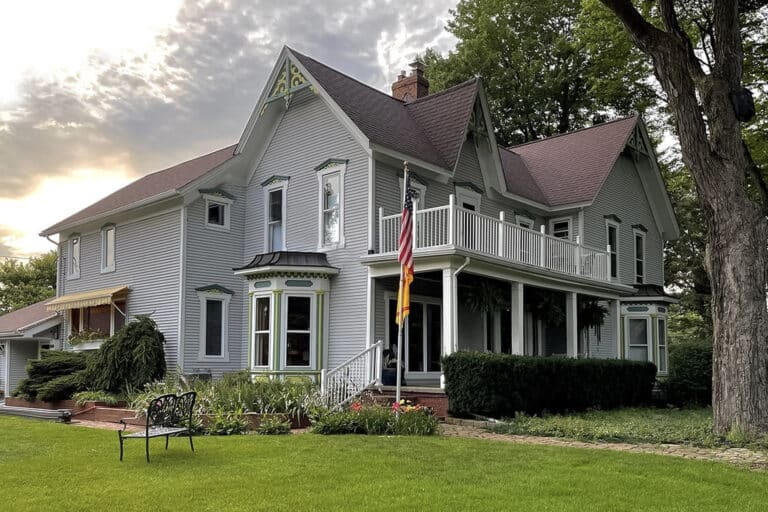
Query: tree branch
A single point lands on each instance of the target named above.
(757, 176)
(729, 53)
(644, 34)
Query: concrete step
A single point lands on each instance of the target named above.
(29, 412)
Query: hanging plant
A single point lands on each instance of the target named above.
(486, 295)
(548, 307)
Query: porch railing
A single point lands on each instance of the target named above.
(345, 382)
(453, 226)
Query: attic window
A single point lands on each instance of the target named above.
(217, 212)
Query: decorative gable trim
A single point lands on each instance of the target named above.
(216, 192)
(468, 185)
(272, 180)
(331, 162)
(612, 217)
(214, 288)
(640, 227)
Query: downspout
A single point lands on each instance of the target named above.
(462, 267)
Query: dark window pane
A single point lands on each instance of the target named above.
(435, 341)
(297, 349)
(276, 205)
(298, 313)
(216, 214)
(416, 338)
(612, 237)
(614, 265)
(213, 325)
(261, 349)
(262, 314)
(75, 320)
(98, 319)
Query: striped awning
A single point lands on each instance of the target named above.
(86, 299)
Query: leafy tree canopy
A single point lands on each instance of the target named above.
(23, 284)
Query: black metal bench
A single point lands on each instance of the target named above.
(167, 415)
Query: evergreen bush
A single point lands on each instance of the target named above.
(134, 356)
(52, 365)
(690, 374)
(500, 385)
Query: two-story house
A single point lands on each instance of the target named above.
(278, 254)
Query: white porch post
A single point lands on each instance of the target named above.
(450, 313)
(571, 320)
(616, 314)
(517, 318)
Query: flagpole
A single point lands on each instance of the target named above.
(398, 381)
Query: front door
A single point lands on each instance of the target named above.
(422, 336)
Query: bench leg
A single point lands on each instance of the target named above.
(190, 441)
(166, 442)
(121, 445)
(147, 443)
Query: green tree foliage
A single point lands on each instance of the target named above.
(131, 358)
(547, 67)
(22, 284)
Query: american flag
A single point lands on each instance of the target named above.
(405, 255)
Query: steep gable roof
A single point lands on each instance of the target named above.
(16, 321)
(149, 186)
(430, 128)
(568, 168)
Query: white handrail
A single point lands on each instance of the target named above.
(345, 382)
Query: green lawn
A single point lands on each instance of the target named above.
(640, 425)
(47, 466)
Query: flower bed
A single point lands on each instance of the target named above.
(402, 418)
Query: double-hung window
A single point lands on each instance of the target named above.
(73, 269)
(274, 214)
(639, 256)
(560, 228)
(298, 331)
(638, 339)
(108, 248)
(612, 238)
(214, 314)
(217, 212)
(262, 339)
(331, 198)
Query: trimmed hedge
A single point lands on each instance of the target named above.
(690, 374)
(499, 385)
(44, 375)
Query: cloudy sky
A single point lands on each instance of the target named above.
(93, 94)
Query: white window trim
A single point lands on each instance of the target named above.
(112, 312)
(659, 320)
(341, 170)
(522, 219)
(424, 301)
(635, 234)
(104, 267)
(270, 331)
(74, 273)
(568, 220)
(613, 224)
(312, 331)
(224, 298)
(280, 185)
(224, 201)
(467, 195)
(420, 202)
(648, 335)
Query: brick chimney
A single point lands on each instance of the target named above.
(409, 88)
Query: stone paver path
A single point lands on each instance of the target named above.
(738, 456)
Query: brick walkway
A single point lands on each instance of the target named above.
(738, 456)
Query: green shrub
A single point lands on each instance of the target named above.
(690, 374)
(51, 365)
(62, 387)
(81, 397)
(227, 422)
(499, 385)
(131, 358)
(372, 419)
(273, 425)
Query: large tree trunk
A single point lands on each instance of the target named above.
(737, 237)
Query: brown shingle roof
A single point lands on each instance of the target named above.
(568, 168)
(149, 186)
(12, 323)
(421, 129)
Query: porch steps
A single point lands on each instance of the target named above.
(31, 412)
(434, 398)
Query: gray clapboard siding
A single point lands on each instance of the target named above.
(309, 134)
(605, 346)
(210, 257)
(147, 260)
(19, 352)
(622, 195)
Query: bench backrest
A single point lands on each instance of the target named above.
(171, 410)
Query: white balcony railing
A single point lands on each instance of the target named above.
(452, 226)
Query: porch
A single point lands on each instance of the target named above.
(452, 227)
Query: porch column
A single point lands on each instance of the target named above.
(616, 315)
(517, 318)
(571, 324)
(450, 312)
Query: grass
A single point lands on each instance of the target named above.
(47, 466)
(633, 425)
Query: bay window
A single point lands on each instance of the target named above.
(262, 339)
(298, 331)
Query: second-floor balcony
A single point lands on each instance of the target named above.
(453, 227)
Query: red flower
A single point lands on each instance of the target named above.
(356, 406)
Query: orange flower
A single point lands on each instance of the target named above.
(356, 406)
